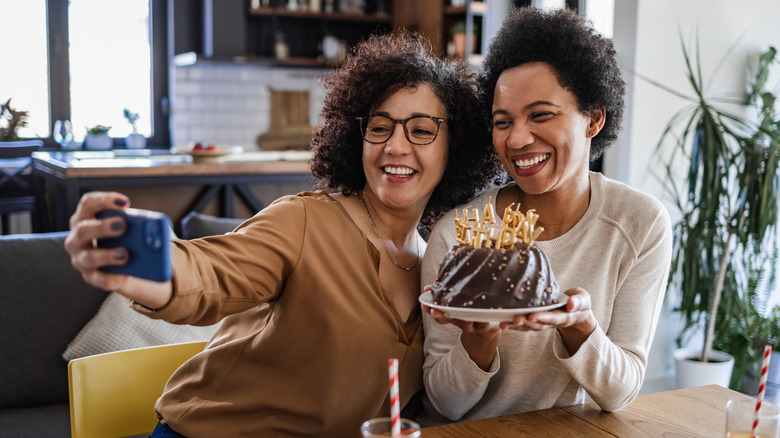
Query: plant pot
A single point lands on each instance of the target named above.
(97, 142)
(459, 40)
(135, 141)
(690, 371)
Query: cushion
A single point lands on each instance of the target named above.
(45, 303)
(196, 225)
(116, 326)
(36, 422)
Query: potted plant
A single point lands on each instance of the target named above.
(748, 329)
(13, 120)
(97, 138)
(134, 140)
(459, 38)
(727, 204)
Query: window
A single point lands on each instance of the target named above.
(86, 61)
(602, 14)
(23, 75)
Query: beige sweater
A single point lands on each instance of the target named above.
(307, 354)
(620, 253)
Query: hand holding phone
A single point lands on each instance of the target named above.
(147, 241)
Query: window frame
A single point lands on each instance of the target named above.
(59, 77)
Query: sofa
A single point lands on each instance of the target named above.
(46, 308)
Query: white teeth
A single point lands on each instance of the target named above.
(524, 164)
(399, 171)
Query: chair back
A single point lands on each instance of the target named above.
(113, 394)
(16, 194)
(15, 158)
(19, 149)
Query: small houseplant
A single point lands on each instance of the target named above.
(748, 327)
(97, 138)
(134, 140)
(458, 32)
(12, 121)
(727, 202)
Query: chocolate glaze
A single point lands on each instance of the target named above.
(483, 278)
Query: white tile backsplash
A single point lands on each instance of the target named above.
(228, 104)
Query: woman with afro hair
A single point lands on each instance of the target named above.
(553, 93)
(318, 290)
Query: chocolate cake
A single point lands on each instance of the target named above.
(495, 266)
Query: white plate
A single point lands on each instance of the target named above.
(488, 315)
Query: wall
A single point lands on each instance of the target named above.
(229, 104)
(655, 52)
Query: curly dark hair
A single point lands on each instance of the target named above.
(377, 68)
(583, 60)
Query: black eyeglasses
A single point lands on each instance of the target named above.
(419, 130)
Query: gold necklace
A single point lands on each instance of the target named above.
(382, 241)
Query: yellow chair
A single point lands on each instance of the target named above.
(113, 394)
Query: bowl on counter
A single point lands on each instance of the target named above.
(208, 156)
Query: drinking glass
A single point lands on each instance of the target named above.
(63, 133)
(383, 427)
(739, 419)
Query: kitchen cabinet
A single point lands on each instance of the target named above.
(462, 28)
(248, 31)
(478, 21)
(311, 37)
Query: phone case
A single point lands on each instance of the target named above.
(147, 241)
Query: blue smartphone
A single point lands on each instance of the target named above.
(147, 239)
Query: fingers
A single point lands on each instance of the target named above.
(531, 322)
(86, 229)
(576, 311)
(579, 300)
(104, 280)
(92, 203)
(438, 315)
(479, 328)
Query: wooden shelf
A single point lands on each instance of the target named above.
(335, 16)
(307, 62)
(477, 8)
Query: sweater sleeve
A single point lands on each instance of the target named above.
(220, 275)
(610, 366)
(453, 382)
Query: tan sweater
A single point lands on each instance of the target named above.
(619, 252)
(307, 329)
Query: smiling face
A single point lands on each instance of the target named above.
(399, 173)
(541, 137)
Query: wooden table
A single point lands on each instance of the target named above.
(160, 180)
(692, 412)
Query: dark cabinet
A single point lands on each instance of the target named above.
(224, 28)
(309, 37)
(244, 30)
(463, 27)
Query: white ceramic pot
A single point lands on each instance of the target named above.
(692, 372)
(135, 141)
(97, 142)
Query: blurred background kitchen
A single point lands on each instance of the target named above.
(243, 75)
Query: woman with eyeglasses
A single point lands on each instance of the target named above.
(317, 291)
(553, 91)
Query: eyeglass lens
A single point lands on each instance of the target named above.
(419, 130)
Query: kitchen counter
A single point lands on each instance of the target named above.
(164, 181)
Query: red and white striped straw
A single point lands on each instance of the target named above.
(395, 403)
(761, 388)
